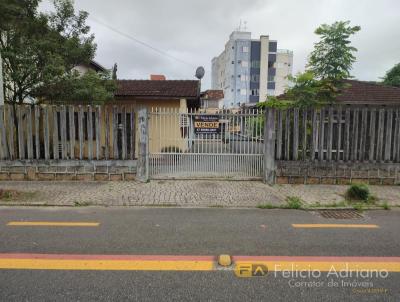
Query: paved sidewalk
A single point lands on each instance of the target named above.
(181, 193)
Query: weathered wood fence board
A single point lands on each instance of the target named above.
(67, 132)
(331, 133)
(339, 133)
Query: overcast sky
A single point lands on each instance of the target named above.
(196, 30)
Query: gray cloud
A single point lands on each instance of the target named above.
(195, 31)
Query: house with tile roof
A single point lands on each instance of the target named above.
(160, 95)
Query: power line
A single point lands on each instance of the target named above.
(161, 52)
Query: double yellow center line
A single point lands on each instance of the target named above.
(53, 223)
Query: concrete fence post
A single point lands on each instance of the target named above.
(142, 173)
(269, 146)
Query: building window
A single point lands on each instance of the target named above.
(255, 64)
(273, 45)
(245, 64)
(255, 78)
(270, 64)
(255, 92)
(271, 78)
(239, 61)
(239, 76)
(233, 62)
(245, 49)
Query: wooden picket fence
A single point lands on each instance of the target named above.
(46, 132)
(339, 133)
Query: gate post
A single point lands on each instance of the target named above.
(142, 171)
(269, 146)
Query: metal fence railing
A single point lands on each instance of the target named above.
(197, 144)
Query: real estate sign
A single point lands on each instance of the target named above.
(206, 124)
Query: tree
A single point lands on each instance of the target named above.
(306, 91)
(40, 50)
(332, 57)
(92, 87)
(392, 77)
(328, 65)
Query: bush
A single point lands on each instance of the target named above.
(294, 202)
(171, 149)
(358, 192)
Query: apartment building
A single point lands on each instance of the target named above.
(249, 70)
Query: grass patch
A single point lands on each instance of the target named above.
(161, 205)
(340, 204)
(293, 202)
(358, 206)
(82, 203)
(267, 206)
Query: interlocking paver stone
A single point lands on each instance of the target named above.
(190, 193)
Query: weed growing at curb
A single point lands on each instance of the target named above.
(385, 206)
(267, 206)
(81, 203)
(294, 202)
(340, 204)
(358, 192)
(358, 207)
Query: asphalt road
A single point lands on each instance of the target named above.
(174, 231)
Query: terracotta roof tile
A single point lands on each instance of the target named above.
(369, 93)
(168, 88)
(212, 94)
(360, 92)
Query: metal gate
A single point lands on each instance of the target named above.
(194, 144)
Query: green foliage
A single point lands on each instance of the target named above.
(307, 91)
(392, 77)
(255, 126)
(294, 202)
(276, 103)
(266, 206)
(92, 87)
(358, 192)
(332, 57)
(329, 63)
(385, 206)
(40, 50)
(358, 207)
